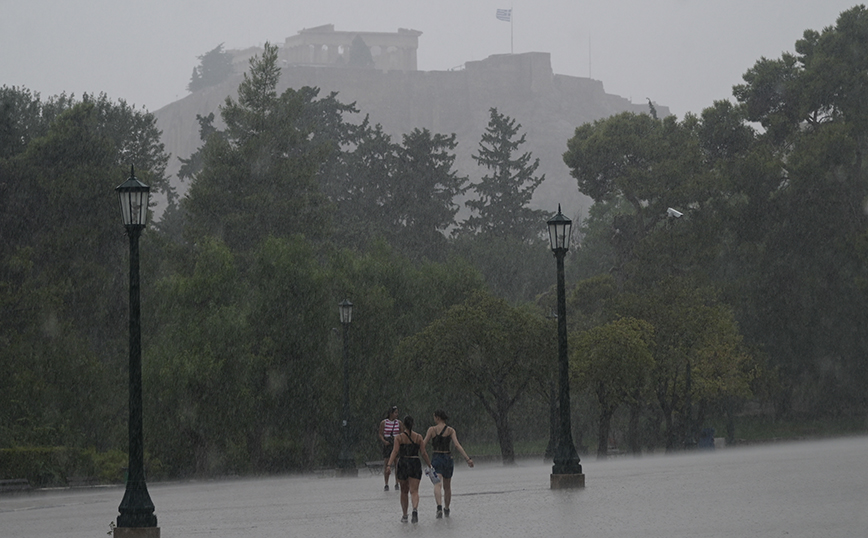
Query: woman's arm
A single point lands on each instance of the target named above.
(458, 446)
(423, 452)
(428, 435)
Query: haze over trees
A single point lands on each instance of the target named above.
(756, 295)
(214, 67)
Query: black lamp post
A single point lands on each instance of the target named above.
(136, 508)
(346, 463)
(567, 469)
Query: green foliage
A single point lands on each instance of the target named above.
(500, 208)
(24, 117)
(58, 466)
(699, 355)
(364, 191)
(774, 219)
(488, 348)
(293, 308)
(639, 167)
(825, 81)
(393, 298)
(615, 361)
(801, 278)
(651, 164)
(514, 269)
(214, 67)
(402, 193)
(63, 266)
(423, 203)
(199, 350)
(258, 177)
(503, 236)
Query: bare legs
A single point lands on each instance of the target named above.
(387, 470)
(443, 495)
(405, 502)
(409, 492)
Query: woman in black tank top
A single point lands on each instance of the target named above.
(441, 437)
(408, 452)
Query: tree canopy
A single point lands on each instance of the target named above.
(214, 67)
(488, 348)
(501, 207)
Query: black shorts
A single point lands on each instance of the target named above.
(409, 468)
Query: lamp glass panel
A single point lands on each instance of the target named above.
(134, 206)
(346, 311)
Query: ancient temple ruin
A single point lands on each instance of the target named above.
(399, 97)
(390, 51)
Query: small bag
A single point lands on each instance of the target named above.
(432, 474)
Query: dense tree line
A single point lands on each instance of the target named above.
(773, 191)
(757, 293)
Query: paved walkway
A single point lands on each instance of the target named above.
(806, 490)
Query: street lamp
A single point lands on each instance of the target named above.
(567, 469)
(136, 508)
(346, 462)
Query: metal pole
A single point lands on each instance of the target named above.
(566, 460)
(136, 508)
(345, 460)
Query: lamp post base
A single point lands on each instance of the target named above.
(136, 532)
(567, 481)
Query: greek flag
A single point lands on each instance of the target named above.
(504, 15)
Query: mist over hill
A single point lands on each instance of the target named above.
(523, 86)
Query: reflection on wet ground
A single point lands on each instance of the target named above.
(806, 489)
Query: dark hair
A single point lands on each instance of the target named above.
(408, 423)
(441, 414)
(390, 410)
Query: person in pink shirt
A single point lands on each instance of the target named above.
(390, 427)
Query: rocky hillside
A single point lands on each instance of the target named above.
(548, 106)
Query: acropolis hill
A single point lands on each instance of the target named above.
(400, 98)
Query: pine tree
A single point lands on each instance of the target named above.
(503, 194)
(422, 205)
(260, 176)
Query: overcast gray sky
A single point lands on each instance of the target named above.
(680, 53)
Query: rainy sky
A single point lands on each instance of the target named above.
(680, 53)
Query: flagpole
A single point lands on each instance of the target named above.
(505, 15)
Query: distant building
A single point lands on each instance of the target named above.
(391, 51)
(397, 96)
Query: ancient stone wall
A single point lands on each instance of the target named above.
(324, 46)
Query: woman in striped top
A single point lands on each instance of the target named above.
(390, 427)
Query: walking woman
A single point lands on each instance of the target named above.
(441, 435)
(389, 428)
(407, 451)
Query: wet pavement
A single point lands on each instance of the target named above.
(805, 489)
